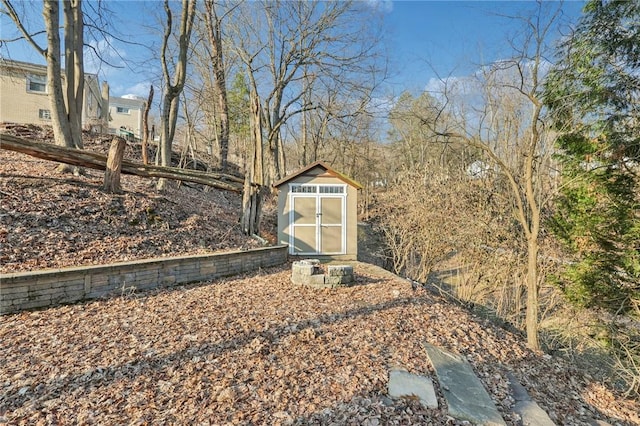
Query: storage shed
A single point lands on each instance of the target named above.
(317, 213)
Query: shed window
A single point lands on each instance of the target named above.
(331, 189)
(37, 83)
(304, 189)
(44, 114)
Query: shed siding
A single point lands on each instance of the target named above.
(312, 177)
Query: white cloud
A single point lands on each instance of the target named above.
(139, 90)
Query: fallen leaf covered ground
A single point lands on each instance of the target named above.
(248, 350)
(52, 220)
(257, 350)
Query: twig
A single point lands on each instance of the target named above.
(6, 194)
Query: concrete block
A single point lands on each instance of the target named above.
(168, 280)
(35, 304)
(340, 270)
(4, 291)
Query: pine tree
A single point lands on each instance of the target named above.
(594, 91)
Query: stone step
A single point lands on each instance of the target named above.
(404, 384)
(466, 397)
(529, 411)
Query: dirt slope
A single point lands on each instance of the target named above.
(49, 220)
(249, 350)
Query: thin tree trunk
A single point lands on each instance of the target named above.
(145, 127)
(217, 62)
(532, 293)
(174, 86)
(104, 116)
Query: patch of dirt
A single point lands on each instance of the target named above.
(258, 350)
(51, 220)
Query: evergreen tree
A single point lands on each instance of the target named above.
(594, 91)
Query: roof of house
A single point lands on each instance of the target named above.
(36, 68)
(328, 171)
(126, 102)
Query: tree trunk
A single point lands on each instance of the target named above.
(252, 196)
(114, 166)
(93, 160)
(532, 293)
(217, 62)
(174, 86)
(59, 120)
(257, 156)
(74, 67)
(104, 116)
(145, 128)
(251, 207)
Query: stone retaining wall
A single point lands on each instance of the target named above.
(39, 289)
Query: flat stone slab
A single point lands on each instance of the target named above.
(465, 395)
(404, 384)
(529, 411)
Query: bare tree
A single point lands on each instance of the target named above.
(213, 25)
(173, 86)
(508, 126)
(284, 44)
(66, 116)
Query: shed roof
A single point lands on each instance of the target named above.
(329, 171)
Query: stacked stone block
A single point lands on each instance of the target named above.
(40, 289)
(309, 273)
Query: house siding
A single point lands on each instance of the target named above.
(131, 121)
(19, 105)
(16, 104)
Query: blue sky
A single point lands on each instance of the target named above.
(438, 38)
(425, 39)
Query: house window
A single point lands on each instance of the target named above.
(44, 114)
(122, 110)
(37, 84)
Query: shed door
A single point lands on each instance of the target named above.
(317, 219)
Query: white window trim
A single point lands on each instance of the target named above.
(40, 79)
(317, 195)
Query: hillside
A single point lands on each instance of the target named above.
(49, 220)
(249, 350)
(257, 350)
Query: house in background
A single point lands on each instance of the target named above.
(125, 116)
(24, 99)
(24, 96)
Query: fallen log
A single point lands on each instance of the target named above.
(93, 160)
